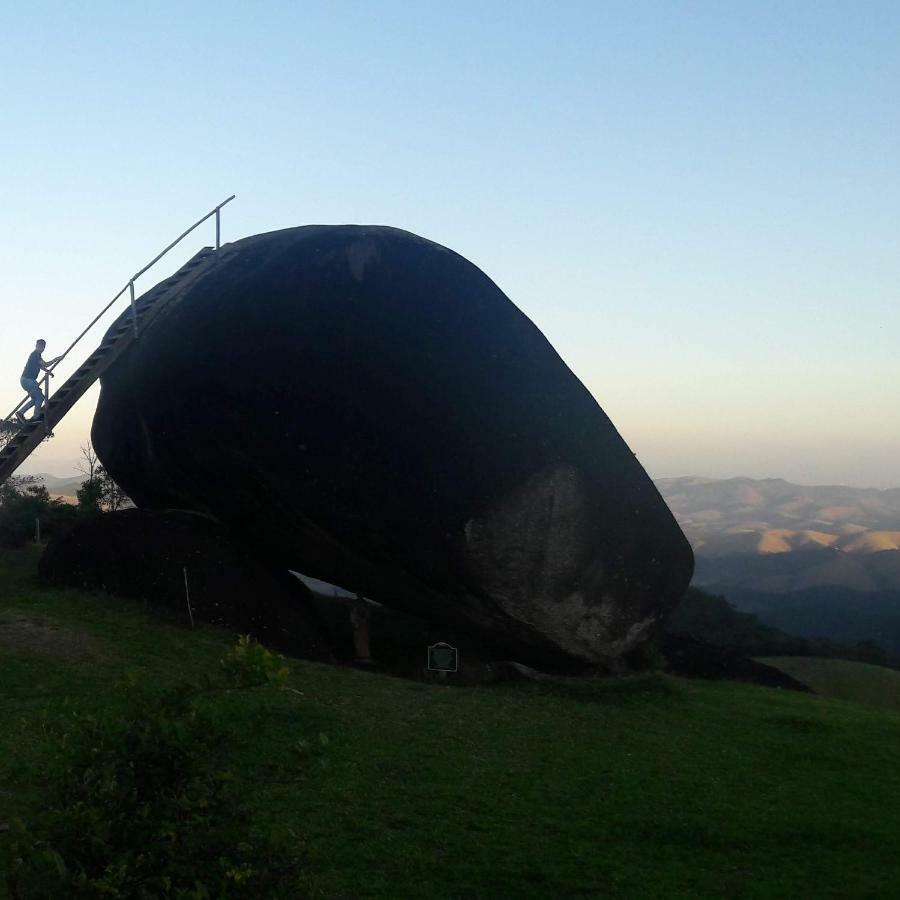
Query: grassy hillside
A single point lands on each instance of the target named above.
(844, 680)
(641, 787)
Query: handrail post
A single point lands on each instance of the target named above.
(133, 309)
(218, 211)
(45, 409)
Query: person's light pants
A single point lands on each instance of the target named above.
(34, 391)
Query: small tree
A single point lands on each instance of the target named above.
(88, 496)
(98, 492)
(112, 497)
(89, 464)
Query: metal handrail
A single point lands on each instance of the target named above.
(128, 287)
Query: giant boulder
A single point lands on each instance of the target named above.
(368, 407)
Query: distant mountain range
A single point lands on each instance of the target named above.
(64, 486)
(822, 561)
(747, 516)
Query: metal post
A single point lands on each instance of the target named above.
(217, 227)
(133, 309)
(187, 596)
(44, 409)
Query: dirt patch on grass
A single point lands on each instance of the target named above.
(21, 635)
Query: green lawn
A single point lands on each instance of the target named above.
(645, 787)
(844, 680)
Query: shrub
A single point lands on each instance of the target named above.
(22, 501)
(249, 664)
(89, 496)
(141, 808)
(99, 493)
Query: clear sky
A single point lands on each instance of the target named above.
(698, 203)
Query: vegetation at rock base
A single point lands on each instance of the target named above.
(98, 492)
(638, 787)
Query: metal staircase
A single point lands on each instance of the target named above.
(23, 439)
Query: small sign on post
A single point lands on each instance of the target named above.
(443, 658)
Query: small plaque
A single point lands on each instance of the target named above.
(443, 658)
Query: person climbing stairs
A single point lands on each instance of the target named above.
(22, 436)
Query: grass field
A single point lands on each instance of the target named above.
(644, 787)
(844, 680)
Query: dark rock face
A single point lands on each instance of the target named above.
(367, 407)
(143, 554)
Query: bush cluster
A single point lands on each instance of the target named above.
(141, 807)
(249, 664)
(22, 502)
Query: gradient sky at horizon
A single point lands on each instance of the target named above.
(697, 203)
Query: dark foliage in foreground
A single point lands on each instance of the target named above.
(140, 807)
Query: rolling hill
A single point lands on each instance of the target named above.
(770, 516)
(818, 561)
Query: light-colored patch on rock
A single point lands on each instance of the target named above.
(528, 552)
(21, 635)
(530, 541)
(359, 255)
